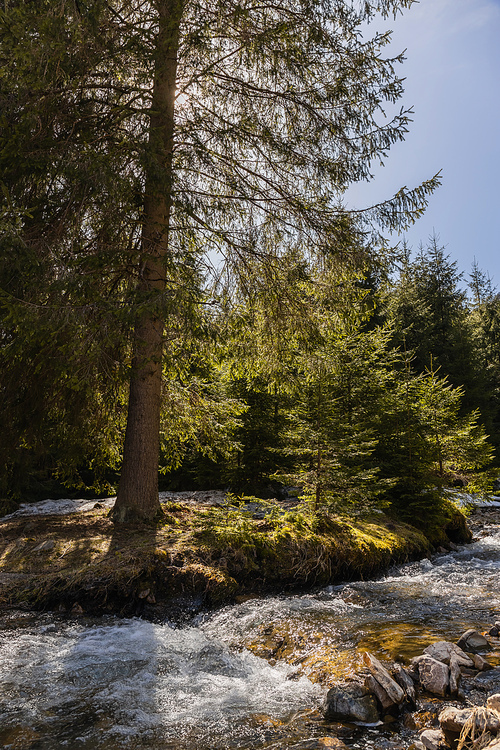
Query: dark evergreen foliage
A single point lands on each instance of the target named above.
(172, 177)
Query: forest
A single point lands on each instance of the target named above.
(185, 302)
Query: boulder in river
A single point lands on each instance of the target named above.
(481, 664)
(350, 701)
(432, 739)
(434, 676)
(455, 673)
(473, 641)
(380, 682)
(442, 651)
(404, 680)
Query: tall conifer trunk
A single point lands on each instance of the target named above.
(138, 488)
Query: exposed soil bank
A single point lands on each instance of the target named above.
(197, 557)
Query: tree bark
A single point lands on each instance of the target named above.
(137, 497)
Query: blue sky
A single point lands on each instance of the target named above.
(452, 75)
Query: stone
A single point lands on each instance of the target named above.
(494, 631)
(442, 651)
(434, 676)
(432, 739)
(76, 609)
(493, 702)
(350, 702)
(473, 641)
(481, 664)
(45, 546)
(395, 693)
(412, 668)
(455, 674)
(452, 720)
(378, 691)
(405, 681)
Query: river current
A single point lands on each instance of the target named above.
(92, 683)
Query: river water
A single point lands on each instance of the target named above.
(115, 683)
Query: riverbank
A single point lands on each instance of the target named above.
(199, 556)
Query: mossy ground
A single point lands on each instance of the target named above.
(198, 555)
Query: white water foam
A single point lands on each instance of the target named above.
(131, 676)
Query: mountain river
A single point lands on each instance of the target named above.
(95, 683)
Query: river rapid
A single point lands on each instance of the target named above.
(92, 683)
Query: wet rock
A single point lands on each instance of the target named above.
(481, 664)
(493, 702)
(350, 702)
(432, 739)
(412, 669)
(378, 691)
(472, 641)
(405, 681)
(495, 630)
(455, 673)
(434, 676)
(442, 651)
(390, 693)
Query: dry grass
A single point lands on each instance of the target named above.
(474, 734)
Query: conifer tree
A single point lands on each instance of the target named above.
(428, 309)
(148, 136)
(485, 320)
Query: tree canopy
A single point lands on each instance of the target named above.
(148, 149)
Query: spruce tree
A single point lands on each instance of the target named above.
(428, 309)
